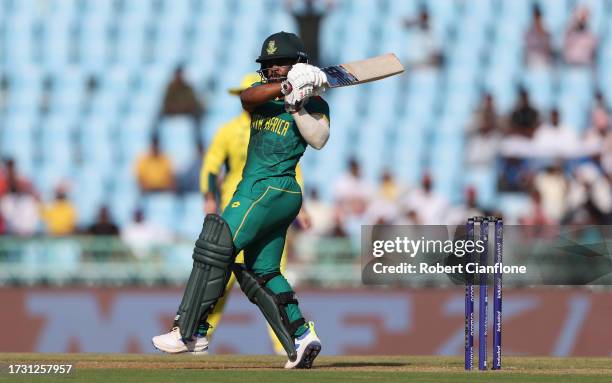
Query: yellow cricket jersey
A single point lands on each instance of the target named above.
(229, 147)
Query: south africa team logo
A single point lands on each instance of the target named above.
(271, 49)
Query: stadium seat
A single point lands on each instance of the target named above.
(96, 143)
(91, 184)
(516, 12)
(539, 83)
(485, 183)
(478, 12)
(513, 205)
(56, 42)
(501, 83)
(19, 41)
(94, 57)
(161, 208)
(57, 143)
(191, 216)
(124, 200)
(17, 141)
(555, 14)
(573, 112)
(177, 140)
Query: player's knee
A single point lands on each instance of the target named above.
(214, 245)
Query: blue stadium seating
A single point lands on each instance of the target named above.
(17, 141)
(540, 85)
(176, 136)
(191, 216)
(411, 123)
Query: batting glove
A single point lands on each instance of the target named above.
(298, 97)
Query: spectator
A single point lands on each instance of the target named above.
(554, 140)
(483, 140)
(514, 174)
(552, 186)
(154, 170)
(181, 99)
(338, 228)
(142, 235)
(383, 207)
(5, 89)
(485, 114)
(103, 224)
(19, 209)
(321, 214)
(537, 212)
(308, 16)
(589, 197)
(482, 147)
(580, 46)
(600, 111)
(10, 174)
(524, 117)
(91, 88)
(597, 136)
(4, 178)
(425, 50)
(60, 215)
(430, 208)
(46, 95)
(409, 217)
(188, 180)
(606, 155)
(538, 48)
(470, 208)
(389, 189)
(351, 192)
(352, 195)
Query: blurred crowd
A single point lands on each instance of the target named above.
(357, 202)
(566, 171)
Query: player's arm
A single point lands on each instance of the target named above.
(254, 96)
(313, 127)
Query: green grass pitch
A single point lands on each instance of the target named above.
(231, 368)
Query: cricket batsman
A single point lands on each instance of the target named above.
(229, 147)
(287, 114)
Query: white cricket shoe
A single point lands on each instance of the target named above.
(308, 346)
(173, 343)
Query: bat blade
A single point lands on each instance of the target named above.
(359, 72)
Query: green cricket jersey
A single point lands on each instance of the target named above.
(276, 145)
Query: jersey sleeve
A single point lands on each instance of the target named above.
(214, 158)
(317, 105)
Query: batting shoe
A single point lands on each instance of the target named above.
(308, 346)
(173, 343)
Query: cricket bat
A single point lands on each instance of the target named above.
(359, 72)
